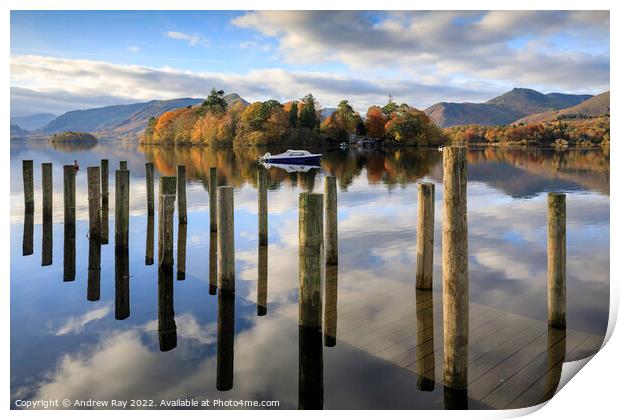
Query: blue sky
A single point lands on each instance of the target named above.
(63, 60)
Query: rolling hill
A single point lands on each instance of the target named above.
(593, 107)
(504, 109)
(32, 122)
(121, 119)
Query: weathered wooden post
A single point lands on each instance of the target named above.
(165, 286)
(94, 202)
(94, 270)
(121, 211)
(213, 263)
(150, 240)
(426, 236)
(150, 188)
(310, 301)
(455, 268)
(225, 239)
(69, 222)
(121, 282)
(213, 199)
(556, 260)
(331, 220)
(122, 165)
(225, 339)
(425, 344)
(181, 250)
(263, 238)
(261, 295)
(28, 238)
(47, 246)
(181, 194)
(28, 176)
(310, 259)
(105, 176)
(330, 318)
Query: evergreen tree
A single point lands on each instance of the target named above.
(215, 102)
(292, 115)
(307, 115)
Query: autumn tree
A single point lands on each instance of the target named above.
(375, 122)
(342, 122)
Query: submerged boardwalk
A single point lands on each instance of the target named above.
(514, 361)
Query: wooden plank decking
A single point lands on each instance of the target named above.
(514, 361)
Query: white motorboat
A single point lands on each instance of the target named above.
(289, 167)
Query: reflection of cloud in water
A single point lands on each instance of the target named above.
(76, 324)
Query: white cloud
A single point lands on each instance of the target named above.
(193, 40)
(133, 48)
(76, 324)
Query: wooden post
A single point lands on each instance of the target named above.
(121, 213)
(105, 175)
(213, 263)
(181, 194)
(225, 339)
(166, 326)
(181, 250)
(167, 194)
(69, 222)
(28, 239)
(167, 329)
(225, 239)
(105, 229)
(330, 318)
(331, 220)
(426, 236)
(310, 385)
(455, 268)
(47, 246)
(94, 202)
(150, 240)
(94, 270)
(213, 199)
(261, 295)
(425, 344)
(28, 175)
(556, 260)
(121, 282)
(150, 188)
(262, 208)
(310, 259)
(122, 165)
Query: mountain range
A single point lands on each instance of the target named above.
(504, 109)
(595, 106)
(33, 122)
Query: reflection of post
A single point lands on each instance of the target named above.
(69, 222)
(105, 230)
(94, 270)
(225, 339)
(105, 175)
(150, 240)
(122, 165)
(262, 208)
(310, 258)
(330, 318)
(425, 357)
(150, 188)
(27, 244)
(425, 238)
(331, 221)
(310, 301)
(181, 194)
(94, 202)
(556, 260)
(121, 282)
(556, 354)
(46, 256)
(181, 250)
(225, 238)
(213, 263)
(213, 199)
(165, 286)
(455, 399)
(27, 169)
(455, 270)
(261, 296)
(121, 214)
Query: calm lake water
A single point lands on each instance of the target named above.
(66, 346)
